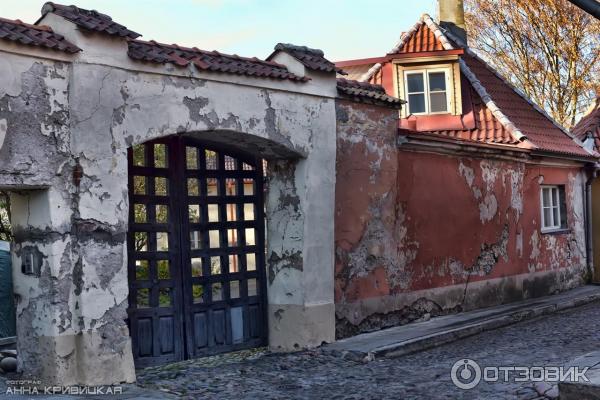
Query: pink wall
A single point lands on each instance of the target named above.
(421, 234)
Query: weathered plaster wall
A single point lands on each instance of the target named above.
(65, 127)
(422, 234)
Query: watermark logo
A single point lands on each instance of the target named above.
(35, 387)
(467, 374)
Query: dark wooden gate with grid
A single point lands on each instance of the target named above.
(196, 251)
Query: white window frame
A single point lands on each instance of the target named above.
(425, 73)
(554, 197)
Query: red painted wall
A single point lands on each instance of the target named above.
(427, 233)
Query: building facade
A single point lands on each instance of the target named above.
(170, 202)
(476, 197)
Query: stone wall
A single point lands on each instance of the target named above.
(422, 233)
(66, 123)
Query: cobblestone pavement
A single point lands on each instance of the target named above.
(548, 341)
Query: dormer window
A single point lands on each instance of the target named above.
(427, 91)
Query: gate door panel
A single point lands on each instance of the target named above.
(224, 246)
(196, 251)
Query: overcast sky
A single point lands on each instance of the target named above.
(344, 29)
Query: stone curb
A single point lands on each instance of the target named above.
(452, 335)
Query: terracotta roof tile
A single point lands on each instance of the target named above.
(423, 39)
(208, 60)
(367, 92)
(34, 35)
(313, 59)
(89, 19)
(590, 125)
(538, 128)
(488, 128)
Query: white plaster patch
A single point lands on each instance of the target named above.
(467, 173)
(488, 208)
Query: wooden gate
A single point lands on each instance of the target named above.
(196, 251)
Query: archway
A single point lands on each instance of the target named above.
(196, 248)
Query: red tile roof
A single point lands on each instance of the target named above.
(34, 35)
(590, 125)
(422, 40)
(487, 127)
(89, 19)
(366, 93)
(537, 127)
(501, 114)
(208, 60)
(313, 59)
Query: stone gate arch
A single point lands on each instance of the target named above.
(67, 121)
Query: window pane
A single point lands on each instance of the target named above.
(438, 102)
(196, 267)
(546, 197)
(139, 185)
(547, 217)
(234, 289)
(194, 213)
(555, 200)
(213, 213)
(212, 159)
(195, 240)
(191, 157)
(251, 262)
(141, 241)
(556, 216)
(162, 214)
(212, 187)
(142, 270)
(215, 266)
(161, 186)
(163, 269)
(217, 292)
(139, 155)
(162, 241)
(143, 298)
(198, 294)
(193, 188)
(164, 297)
(160, 156)
(416, 103)
(437, 81)
(415, 83)
(140, 215)
(231, 212)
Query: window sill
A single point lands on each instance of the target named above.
(559, 231)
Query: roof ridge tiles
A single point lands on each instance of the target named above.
(35, 35)
(44, 28)
(303, 49)
(89, 19)
(405, 36)
(209, 60)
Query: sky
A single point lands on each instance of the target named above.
(344, 29)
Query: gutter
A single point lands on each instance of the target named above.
(592, 7)
(589, 232)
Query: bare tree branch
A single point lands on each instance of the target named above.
(549, 49)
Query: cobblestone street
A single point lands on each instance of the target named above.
(548, 341)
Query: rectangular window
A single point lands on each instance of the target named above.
(554, 213)
(427, 91)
